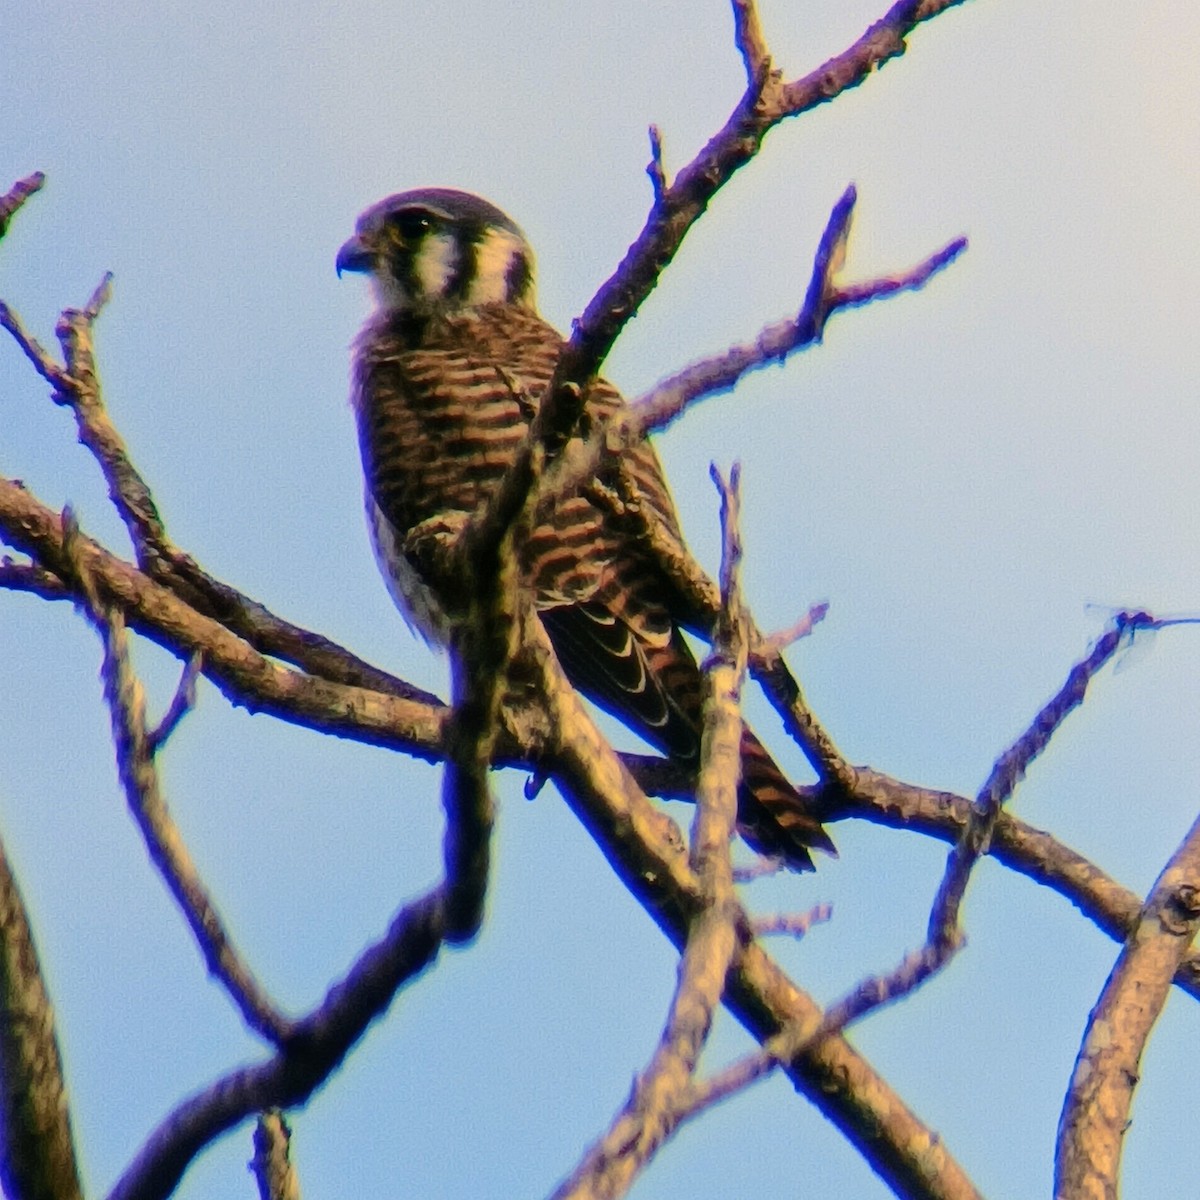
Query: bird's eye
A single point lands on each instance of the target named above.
(412, 224)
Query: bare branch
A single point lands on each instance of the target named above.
(482, 651)
(316, 1048)
(775, 343)
(272, 1163)
(182, 702)
(1032, 852)
(783, 638)
(751, 44)
(945, 936)
(766, 102)
(37, 1150)
(720, 373)
(1095, 1112)
(760, 868)
(735, 1078)
(254, 682)
(1010, 768)
(30, 577)
(913, 280)
(16, 196)
(645, 850)
(247, 677)
(38, 355)
(139, 777)
(655, 169)
(649, 1116)
(156, 554)
(794, 925)
(80, 391)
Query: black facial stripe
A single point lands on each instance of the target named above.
(518, 276)
(467, 265)
(403, 264)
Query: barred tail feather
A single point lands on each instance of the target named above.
(773, 817)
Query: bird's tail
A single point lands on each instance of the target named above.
(773, 817)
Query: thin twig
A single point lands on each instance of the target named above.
(655, 169)
(182, 703)
(139, 776)
(43, 363)
(945, 935)
(16, 195)
(80, 391)
(782, 638)
(794, 925)
(749, 39)
(760, 868)
(774, 343)
(1010, 769)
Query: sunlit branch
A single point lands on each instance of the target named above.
(272, 1163)
(1095, 1113)
(644, 848)
(247, 677)
(648, 1118)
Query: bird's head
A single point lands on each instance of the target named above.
(437, 250)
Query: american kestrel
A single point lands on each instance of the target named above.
(448, 372)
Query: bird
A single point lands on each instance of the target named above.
(447, 374)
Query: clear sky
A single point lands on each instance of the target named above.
(973, 476)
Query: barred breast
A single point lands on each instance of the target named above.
(441, 413)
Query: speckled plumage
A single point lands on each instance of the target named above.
(448, 373)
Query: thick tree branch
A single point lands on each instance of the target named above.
(37, 1150)
(767, 102)
(1095, 1114)
(481, 653)
(646, 851)
(246, 677)
(250, 680)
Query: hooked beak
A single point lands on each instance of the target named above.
(355, 255)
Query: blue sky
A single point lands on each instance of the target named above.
(972, 476)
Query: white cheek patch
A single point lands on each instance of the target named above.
(495, 254)
(436, 263)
